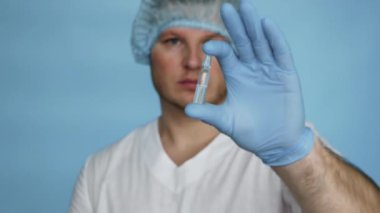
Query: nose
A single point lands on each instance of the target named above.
(193, 57)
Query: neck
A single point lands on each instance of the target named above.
(183, 137)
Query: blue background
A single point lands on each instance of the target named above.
(69, 86)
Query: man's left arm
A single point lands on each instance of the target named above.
(264, 114)
(324, 182)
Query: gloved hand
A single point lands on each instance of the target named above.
(263, 111)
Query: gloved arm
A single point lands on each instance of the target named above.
(263, 111)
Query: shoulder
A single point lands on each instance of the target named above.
(323, 140)
(123, 151)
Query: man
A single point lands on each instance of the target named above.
(183, 162)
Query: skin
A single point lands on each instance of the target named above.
(321, 182)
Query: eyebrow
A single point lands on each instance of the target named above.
(173, 33)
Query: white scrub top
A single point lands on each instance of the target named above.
(135, 175)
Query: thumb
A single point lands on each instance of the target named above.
(215, 115)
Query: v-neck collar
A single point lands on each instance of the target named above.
(176, 177)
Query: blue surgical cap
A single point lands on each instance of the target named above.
(155, 16)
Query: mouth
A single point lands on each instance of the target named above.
(188, 84)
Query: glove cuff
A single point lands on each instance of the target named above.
(296, 152)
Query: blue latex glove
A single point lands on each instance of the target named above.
(263, 111)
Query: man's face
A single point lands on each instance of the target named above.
(176, 60)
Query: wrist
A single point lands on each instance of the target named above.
(291, 154)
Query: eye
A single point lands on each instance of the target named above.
(172, 41)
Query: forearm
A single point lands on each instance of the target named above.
(323, 182)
